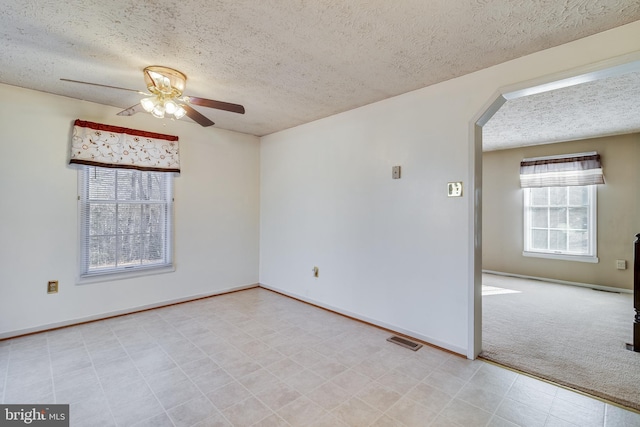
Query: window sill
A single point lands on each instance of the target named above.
(562, 257)
(110, 277)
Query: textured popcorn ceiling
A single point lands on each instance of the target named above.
(287, 62)
(604, 107)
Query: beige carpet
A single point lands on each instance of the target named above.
(569, 335)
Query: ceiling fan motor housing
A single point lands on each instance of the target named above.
(164, 81)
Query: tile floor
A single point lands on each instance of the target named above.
(258, 358)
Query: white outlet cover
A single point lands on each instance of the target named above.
(454, 189)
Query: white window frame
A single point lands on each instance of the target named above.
(109, 274)
(590, 257)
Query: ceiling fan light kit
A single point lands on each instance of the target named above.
(166, 86)
(158, 106)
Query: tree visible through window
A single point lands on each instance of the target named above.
(560, 221)
(126, 220)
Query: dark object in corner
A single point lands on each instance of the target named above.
(635, 346)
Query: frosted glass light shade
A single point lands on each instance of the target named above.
(170, 107)
(148, 104)
(158, 111)
(180, 112)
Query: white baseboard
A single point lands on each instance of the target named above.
(392, 328)
(561, 282)
(101, 316)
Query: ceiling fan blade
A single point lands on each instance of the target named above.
(132, 110)
(226, 106)
(107, 86)
(197, 117)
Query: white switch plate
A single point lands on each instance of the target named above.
(621, 264)
(395, 172)
(454, 189)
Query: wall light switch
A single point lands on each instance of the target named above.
(395, 172)
(621, 264)
(454, 189)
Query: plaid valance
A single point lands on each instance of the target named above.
(561, 171)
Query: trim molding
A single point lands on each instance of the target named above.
(389, 327)
(117, 313)
(562, 282)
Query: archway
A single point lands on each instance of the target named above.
(610, 68)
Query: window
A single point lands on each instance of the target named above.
(560, 222)
(125, 220)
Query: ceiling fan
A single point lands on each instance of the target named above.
(166, 99)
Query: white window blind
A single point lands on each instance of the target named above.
(126, 218)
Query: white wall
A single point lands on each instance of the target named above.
(396, 252)
(216, 214)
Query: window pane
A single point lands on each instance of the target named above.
(539, 239)
(153, 218)
(126, 186)
(558, 217)
(128, 250)
(567, 230)
(129, 218)
(539, 196)
(154, 243)
(558, 196)
(101, 183)
(557, 240)
(578, 218)
(578, 242)
(102, 251)
(151, 186)
(102, 218)
(539, 217)
(578, 196)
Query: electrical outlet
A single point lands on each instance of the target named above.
(621, 264)
(52, 287)
(316, 271)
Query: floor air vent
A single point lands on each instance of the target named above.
(404, 343)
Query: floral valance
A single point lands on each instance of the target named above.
(562, 171)
(102, 145)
